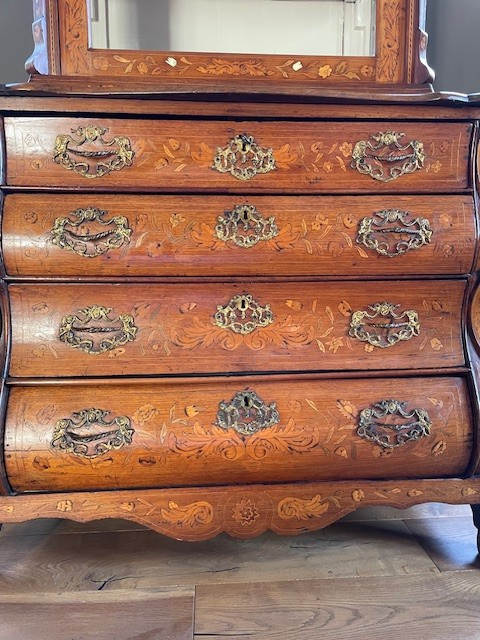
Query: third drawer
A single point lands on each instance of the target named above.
(177, 328)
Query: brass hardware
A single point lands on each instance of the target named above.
(369, 156)
(390, 328)
(384, 423)
(80, 330)
(243, 158)
(412, 233)
(246, 413)
(243, 315)
(89, 234)
(89, 434)
(245, 226)
(117, 154)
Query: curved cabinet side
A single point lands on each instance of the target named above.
(4, 356)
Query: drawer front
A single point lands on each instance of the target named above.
(111, 235)
(130, 329)
(195, 432)
(237, 156)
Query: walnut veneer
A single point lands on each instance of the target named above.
(330, 264)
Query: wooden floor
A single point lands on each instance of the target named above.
(379, 573)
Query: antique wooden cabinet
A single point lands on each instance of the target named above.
(239, 291)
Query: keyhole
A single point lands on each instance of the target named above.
(247, 402)
(243, 305)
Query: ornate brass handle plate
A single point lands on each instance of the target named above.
(384, 158)
(87, 153)
(393, 232)
(382, 326)
(243, 158)
(93, 330)
(245, 226)
(391, 424)
(88, 233)
(246, 413)
(89, 434)
(243, 315)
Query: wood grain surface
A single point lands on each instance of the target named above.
(173, 155)
(177, 439)
(177, 236)
(176, 331)
(424, 607)
(167, 614)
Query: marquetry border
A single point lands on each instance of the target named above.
(242, 512)
(397, 54)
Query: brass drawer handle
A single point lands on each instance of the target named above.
(242, 314)
(393, 232)
(384, 148)
(93, 330)
(243, 158)
(89, 434)
(246, 413)
(89, 154)
(245, 226)
(381, 325)
(88, 233)
(391, 424)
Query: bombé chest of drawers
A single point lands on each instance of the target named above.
(236, 316)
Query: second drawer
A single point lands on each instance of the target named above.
(152, 329)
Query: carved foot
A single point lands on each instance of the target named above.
(476, 522)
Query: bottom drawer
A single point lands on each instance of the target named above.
(237, 430)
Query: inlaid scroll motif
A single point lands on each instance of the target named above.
(393, 232)
(243, 315)
(87, 232)
(89, 433)
(243, 158)
(244, 226)
(391, 424)
(87, 153)
(382, 326)
(246, 413)
(384, 158)
(93, 330)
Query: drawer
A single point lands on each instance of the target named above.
(131, 329)
(186, 155)
(131, 235)
(207, 432)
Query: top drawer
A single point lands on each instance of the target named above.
(172, 155)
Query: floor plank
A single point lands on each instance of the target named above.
(125, 615)
(450, 543)
(420, 607)
(146, 560)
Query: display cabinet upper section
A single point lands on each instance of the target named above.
(327, 43)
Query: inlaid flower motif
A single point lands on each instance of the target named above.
(161, 163)
(447, 250)
(145, 413)
(335, 249)
(142, 68)
(369, 348)
(127, 506)
(174, 144)
(414, 493)
(31, 217)
(349, 220)
(367, 71)
(346, 149)
(141, 221)
(325, 71)
(245, 512)
(64, 505)
(176, 219)
(154, 249)
(316, 147)
(320, 220)
(328, 166)
(347, 409)
(436, 344)
(334, 344)
(436, 166)
(381, 452)
(358, 495)
(446, 220)
(344, 308)
(468, 491)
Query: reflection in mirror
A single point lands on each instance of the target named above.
(299, 27)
